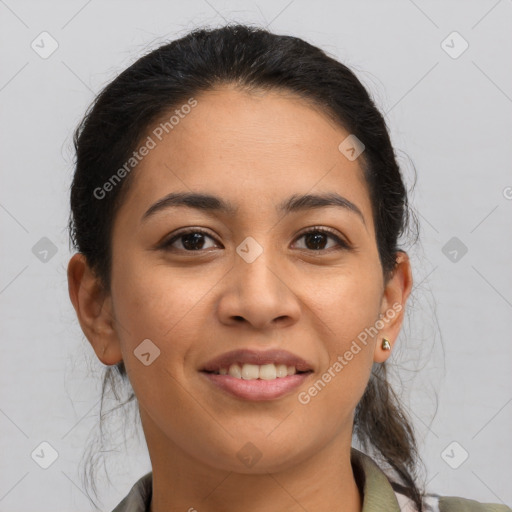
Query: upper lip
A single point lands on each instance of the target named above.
(245, 356)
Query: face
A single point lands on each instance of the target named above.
(200, 282)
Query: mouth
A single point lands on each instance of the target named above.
(253, 375)
(255, 358)
(256, 389)
(269, 371)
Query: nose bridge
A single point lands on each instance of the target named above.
(256, 263)
(258, 292)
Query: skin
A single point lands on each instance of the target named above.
(255, 150)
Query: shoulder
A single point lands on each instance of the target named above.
(456, 504)
(436, 503)
(382, 493)
(139, 497)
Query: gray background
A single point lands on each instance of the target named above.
(450, 117)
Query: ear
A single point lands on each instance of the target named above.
(93, 307)
(395, 295)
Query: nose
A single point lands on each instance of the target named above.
(259, 292)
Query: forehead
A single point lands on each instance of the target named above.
(254, 149)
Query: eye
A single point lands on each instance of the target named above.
(190, 240)
(193, 240)
(316, 237)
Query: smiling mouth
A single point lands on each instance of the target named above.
(257, 382)
(253, 371)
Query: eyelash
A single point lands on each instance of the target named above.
(342, 244)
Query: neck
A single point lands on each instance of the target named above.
(323, 481)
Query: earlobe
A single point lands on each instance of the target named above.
(396, 292)
(93, 307)
(383, 349)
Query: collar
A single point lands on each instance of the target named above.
(377, 492)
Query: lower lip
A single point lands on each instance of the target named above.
(257, 389)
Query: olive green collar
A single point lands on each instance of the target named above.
(378, 494)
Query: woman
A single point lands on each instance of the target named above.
(236, 208)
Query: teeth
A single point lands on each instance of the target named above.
(235, 371)
(282, 370)
(250, 371)
(254, 371)
(267, 371)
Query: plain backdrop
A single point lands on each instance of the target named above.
(447, 98)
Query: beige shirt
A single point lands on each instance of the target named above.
(378, 494)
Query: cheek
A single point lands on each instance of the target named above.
(171, 307)
(349, 307)
(350, 299)
(154, 299)
(350, 313)
(159, 314)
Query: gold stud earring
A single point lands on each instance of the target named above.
(385, 344)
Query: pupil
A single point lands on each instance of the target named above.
(193, 238)
(317, 237)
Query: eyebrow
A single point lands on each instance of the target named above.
(210, 203)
